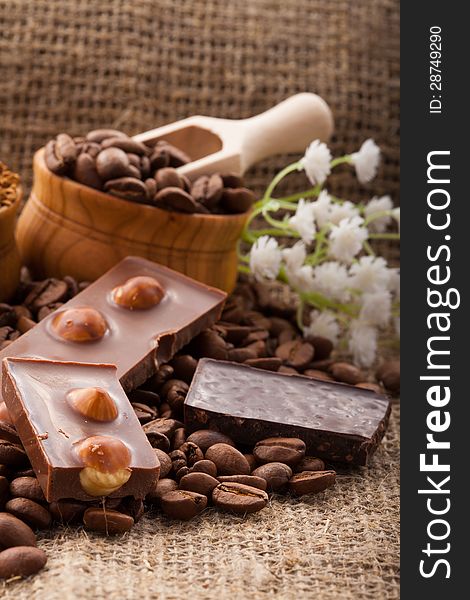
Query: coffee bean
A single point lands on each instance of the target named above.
(207, 190)
(181, 473)
(8, 433)
(146, 397)
(144, 413)
(21, 561)
(310, 463)
(165, 462)
(237, 200)
(192, 452)
(202, 483)
(323, 347)
(205, 438)
(178, 460)
(252, 480)
(126, 144)
(389, 375)
(4, 485)
(107, 521)
(134, 507)
(240, 355)
(230, 180)
(55, 161)
(168, 177)
(164, 374)
(45, 311)
(161, 425)
(251, 460)
(275, 474)
(12, 454)
(278, 325)
(177, 199)
(210, 344)
(85, 171)
(268, 364)
(159, 159)
(373, 387)
(311, 482)
(177, 157)
(346, 373)
(295, 353)
(112, 163)
(228, 460)
(157, 439)
(67, 511)
(14, 532)
(184, 367)
(91, 148)
(239, 498)
(179, 438)
(27, 487)
(162, 487)
(30, 512)
(182, 504)
(151, 186)
(45, 293)
(25, 473)
(99, 135)
(204, 466)
(127, 188)
(8, 315)
(174, 391)
(317, 374)
(289, 451)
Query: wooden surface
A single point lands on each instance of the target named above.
(9, 257)
(70, 229)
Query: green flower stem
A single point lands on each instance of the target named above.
(321, 302)
(377, 215)
(342, 160)
(244, 269)
(299, 315)
(307, 194)
(368, 248)
(384, 236)
(296, 166)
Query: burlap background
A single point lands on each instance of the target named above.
(67, 65)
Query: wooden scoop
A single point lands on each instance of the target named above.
(233, 146)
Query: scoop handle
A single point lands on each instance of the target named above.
(288, 127)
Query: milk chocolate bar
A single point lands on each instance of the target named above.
(136, 316)
(79, 430)
(339, 423)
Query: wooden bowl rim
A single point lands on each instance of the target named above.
(103, 196)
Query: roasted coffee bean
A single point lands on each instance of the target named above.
(164, 374)
(296, 353)
(287, 335)
(27, 487)
(239, 498)
(174, 391)
(178, 158)
(373, 387)
(165, 462)
(177, 199)
(178, 460)
(289, 451)
(45, 311)
(278, 325)
(275, 474)
(268, 364)
(5, 471)
(59, 155)
(240, 355)
(113, 163)
(45, 293)
(179, 438)
(25, 473)
(144, 413)
(159, 159)
(24, 324)
(12, 454)
(8, 315)
(14, 532)
(126, 144)
(208, 190)
(181, 473)
(252, 480)
(107, 521)
(151, 186)
(145, 397)
(165, 411)
(8, 433)
(205, 438)
(310, 463)
(210, 344)
(168, 177)
(202, 483)
(21, 561)
(182, 504)
(192, 452)
(85, 171)
(228, 460)
(99, 135)
(162, 487)
(317, 374)
(165, 426)
(237, 200)
(30, 512)
(323, 347)
(67, 511)
(235, 334)
(311, 482)
(251, 461)
(346, 373)
(157, 440)
(91, 148)
(127, 188)
(134, 507)
(257, 319)
(184, 367)
(4, 485)
(204, 466)
(144, 168)
(256, 336)
(321, 365)
(389, 374)
(230, 180)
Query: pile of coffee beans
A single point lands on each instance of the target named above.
(110, 161)
(202, 469)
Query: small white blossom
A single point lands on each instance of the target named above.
(321, 208)
(265, 258)
(295, 256)
(376, 308)
(346, 239)
(393, 283)
(376, 206)
(338, 212)
(331, 279)
(366, 161)
(316, 162)
(396, 216)
(301, 278)
(362, 343)
(369, 274)
(323, 324)
(304, 221)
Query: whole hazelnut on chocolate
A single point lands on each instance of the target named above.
(83, 324)
(106, 461)
(93, 403)
(138, 293)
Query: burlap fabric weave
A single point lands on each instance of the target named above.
(73, 66)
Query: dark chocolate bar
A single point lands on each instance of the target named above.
(136, 316)
(79, 429)
(338, 422)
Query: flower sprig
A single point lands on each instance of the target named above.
(351, 293)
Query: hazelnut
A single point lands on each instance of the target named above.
(138, 293)
(94, 403)
(79, 325)
(106, 461)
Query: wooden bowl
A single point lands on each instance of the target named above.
(69, 229)
(10, 264)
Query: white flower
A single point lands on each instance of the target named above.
(301, 278)
(376, 308)
(265, 258)
(375, 206)
(323, 324)
(346, 210)
(321, 208)
(393, 283)
(396, 216)
(366, 161)
(346, 239)
(316, 162)
(369, 274)
(362, 343)
(295, 256)
(331, 279)
(303, 221)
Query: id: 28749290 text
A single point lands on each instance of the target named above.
(435, 72)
